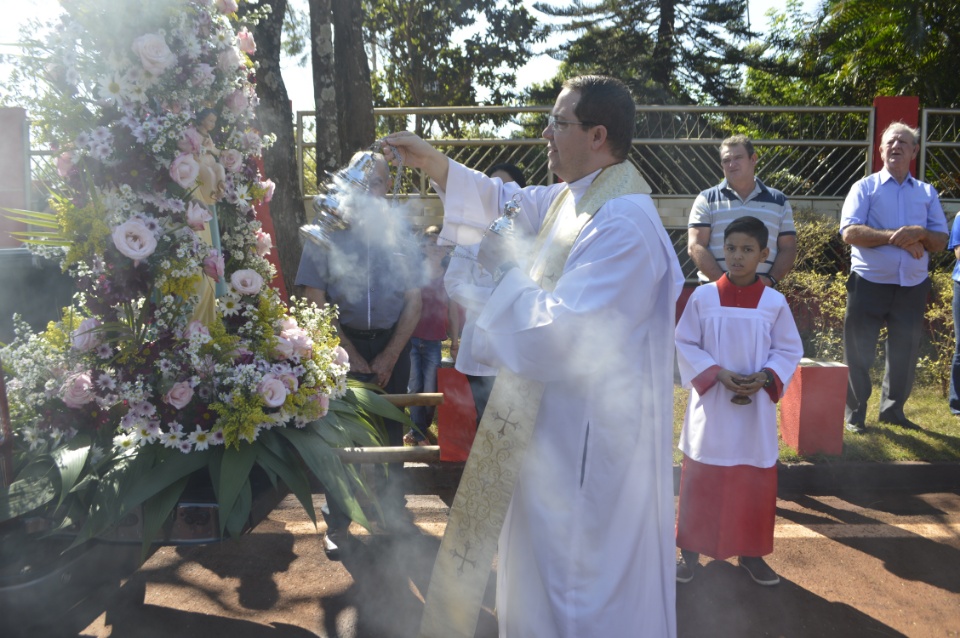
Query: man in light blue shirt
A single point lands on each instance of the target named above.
(892, 223)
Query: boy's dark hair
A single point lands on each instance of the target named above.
(510, 169)
(750, 226)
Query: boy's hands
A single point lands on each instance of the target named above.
(741, 384)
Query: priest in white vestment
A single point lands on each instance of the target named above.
(587, 547)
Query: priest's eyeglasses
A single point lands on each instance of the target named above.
(562, 125)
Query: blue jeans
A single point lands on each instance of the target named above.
(424, 361)
(955, 371)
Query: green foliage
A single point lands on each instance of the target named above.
(853, 50)
(666, 51)
(936, 358)
(439, 53)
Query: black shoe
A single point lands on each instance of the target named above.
(759, 571)
(900, 421)
(686, 565)
(856, 428)
(333, 542)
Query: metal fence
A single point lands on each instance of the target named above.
(939, 162)
(808, 152)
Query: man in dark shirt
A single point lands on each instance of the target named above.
(372, 273)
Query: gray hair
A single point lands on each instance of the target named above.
(901, 127)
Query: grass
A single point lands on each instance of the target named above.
(938, 441)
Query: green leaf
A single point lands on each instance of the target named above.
(44, 220)
(156, 511)
(154, 476)
(70, 460)
(26, 495)
(238, 516)
(372, 403)
(233, 476)
(326, 466)
(288, 468)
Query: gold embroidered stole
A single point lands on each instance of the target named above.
(465, 558)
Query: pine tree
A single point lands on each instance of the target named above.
(667, 51)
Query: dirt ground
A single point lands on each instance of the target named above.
(874, 565)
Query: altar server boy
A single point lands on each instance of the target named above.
(737, 347)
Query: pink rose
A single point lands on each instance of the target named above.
(77, 390)
(155, 56)
(272, 391)
(64, 164)
(179, 395)
(85, 338)
(232, 160)
(229, 60)
(288, 323)
(245, 42)
(341, 358)
(184, 170)
(197, 216)
(269, 187)
(227, 6)
(195, 328)
(190, 141)
(246, 281)
(213, 266)
(236, 102)
(264, 243)
(283, 349)
(134, 240)
(300, 340)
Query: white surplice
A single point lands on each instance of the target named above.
(587, 548)
(743, 340)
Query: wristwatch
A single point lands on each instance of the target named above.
(769, 381)
(772, 279)
(502, 270)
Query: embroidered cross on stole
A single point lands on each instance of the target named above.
(464, 561)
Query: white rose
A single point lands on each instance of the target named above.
(77, 390)
(179, 395)
(300, 340)
(246, 281)
(197, 216)
(232, 160)
(229, 60)
(272, 390)
(155, 56)
(283, 349)
(341, 357)
(85, 338)
(134, 240)
(184, 170)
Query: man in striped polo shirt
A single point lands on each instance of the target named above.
(740, 193)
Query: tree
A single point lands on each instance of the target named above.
(276, 116)
(665, 50)
(354, 92)
(851, 51)
(440, 52)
